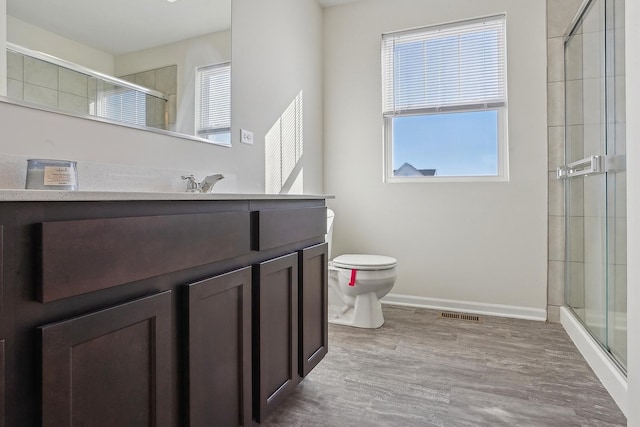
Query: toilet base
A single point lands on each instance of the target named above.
(365, 313)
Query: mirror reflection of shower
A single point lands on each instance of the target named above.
(134, 46)
(46, 81)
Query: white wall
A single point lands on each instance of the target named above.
(285, 41)
(481, 242)
(35, 38)
(188, 54)
(632, 58)
(3, 52)
(264, 75)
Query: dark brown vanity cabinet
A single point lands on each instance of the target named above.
(109, 368)
(158, 313)
(219, 350)
(275, 337)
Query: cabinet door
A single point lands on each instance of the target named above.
(109, 368)
(2, 364)
(1, 275)
(2, 367)
(219, 350)
(275, 302)
(313, 328)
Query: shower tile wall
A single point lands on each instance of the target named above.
(560, 14)
(73, 90)
(165, 80)
(42, 83)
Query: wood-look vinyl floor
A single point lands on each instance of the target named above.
(419, 369)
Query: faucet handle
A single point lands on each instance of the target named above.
(192, 184)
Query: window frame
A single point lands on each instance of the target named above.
(502, 120)
(213, 131)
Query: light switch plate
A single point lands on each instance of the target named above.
(246, 137)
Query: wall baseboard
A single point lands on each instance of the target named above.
(605, 369)
(516, 312)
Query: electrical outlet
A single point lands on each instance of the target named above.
(246, 137)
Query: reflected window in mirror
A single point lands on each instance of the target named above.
(160, 112)
(121, 104)
(213, 102)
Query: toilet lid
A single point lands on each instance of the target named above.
(364, 262)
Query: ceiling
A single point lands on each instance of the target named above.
(121, 26)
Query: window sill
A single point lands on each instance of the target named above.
(441, 179)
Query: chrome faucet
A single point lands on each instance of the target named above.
(206, 186)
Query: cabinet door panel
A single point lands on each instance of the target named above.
(313, 336)
(109, 368)
(2, 329)
(279, 227)
(2, 385)
(1, 271)
(276, 341)
(89, 255)
(219, 350)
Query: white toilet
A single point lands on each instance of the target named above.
(356, 284)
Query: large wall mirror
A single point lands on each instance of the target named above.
(161, 65)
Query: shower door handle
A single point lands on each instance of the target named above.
(588, 166)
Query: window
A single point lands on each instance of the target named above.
(213, 102)
(120, 103)
(444, 102)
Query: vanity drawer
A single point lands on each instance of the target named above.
(89, 255)
(279, 227)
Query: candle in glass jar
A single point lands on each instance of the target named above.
(46, 174)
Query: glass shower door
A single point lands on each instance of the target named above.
(595, 209)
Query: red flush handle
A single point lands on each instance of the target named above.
(352, 282)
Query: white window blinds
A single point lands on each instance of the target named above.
(213, 99)
(121, 104)
(453, 67)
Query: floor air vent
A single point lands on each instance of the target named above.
(461, 316)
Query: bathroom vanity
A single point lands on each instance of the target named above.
(157, 309)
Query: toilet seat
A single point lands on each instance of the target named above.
(365, 262)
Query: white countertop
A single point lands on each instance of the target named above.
(97, 196)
